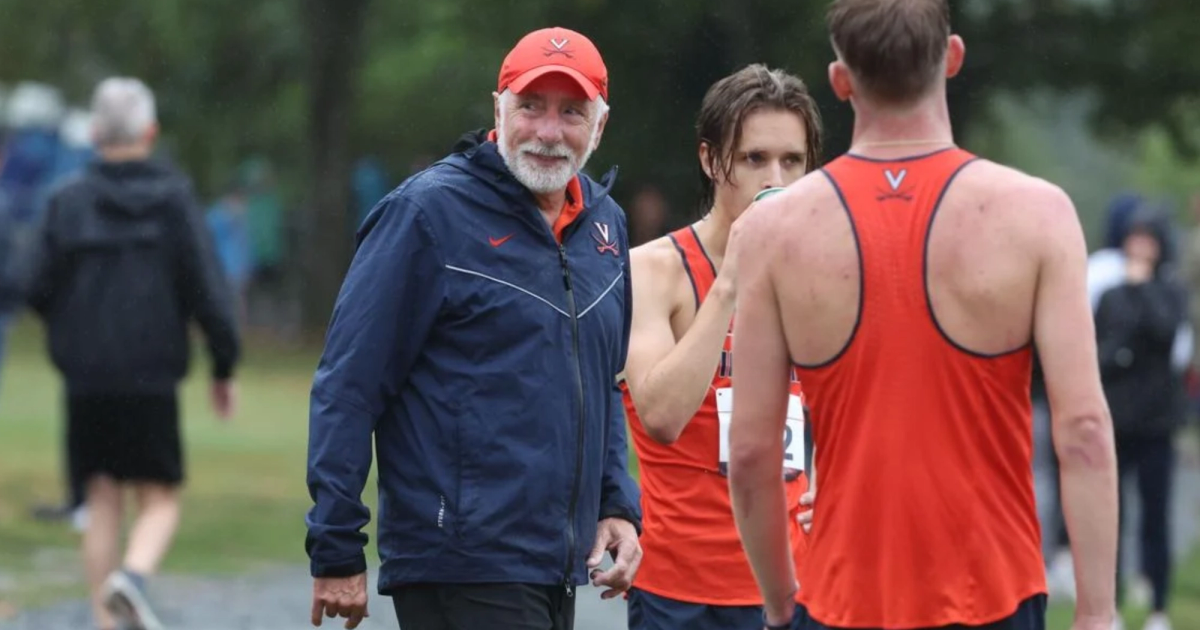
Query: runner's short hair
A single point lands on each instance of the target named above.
(894, 48)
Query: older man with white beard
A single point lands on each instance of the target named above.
(476, 340)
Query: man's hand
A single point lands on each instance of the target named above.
(224, 398)
(805, 517)
(340, 597)
(726, 281)
(619, 537)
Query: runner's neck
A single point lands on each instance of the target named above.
(884, 133)
(713, 231)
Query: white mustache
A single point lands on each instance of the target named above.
(535, 148)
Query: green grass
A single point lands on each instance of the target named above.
(245, 500)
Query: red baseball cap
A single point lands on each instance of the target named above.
(554, 50)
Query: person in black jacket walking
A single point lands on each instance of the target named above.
(124, 263)
(1136, 323)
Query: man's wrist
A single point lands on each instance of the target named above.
(222, 372)
(344, 569)
(780, 613)
(624, 515)
(775, 623)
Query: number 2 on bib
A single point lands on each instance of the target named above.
(793, 433)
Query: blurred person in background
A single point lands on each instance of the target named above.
(648, 215)
(75, 146)
(33, 151)
(1137, 322)
(227, 222)
(757, 129)
(33, 112)
(74, 153)
(476, 343)
(123, 264)
(370, 184)
(265, 226)
(1107, 267)
(11, 284)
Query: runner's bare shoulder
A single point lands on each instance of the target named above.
(656, 266)
(1021, 196)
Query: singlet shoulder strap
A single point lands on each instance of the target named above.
(696, 263)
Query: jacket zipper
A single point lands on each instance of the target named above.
(570, 588)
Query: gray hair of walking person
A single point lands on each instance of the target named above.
(124, 113)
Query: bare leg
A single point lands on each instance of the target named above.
(101, 541)
(154, 530)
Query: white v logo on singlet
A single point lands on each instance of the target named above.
(894, 180)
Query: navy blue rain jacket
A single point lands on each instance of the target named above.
(481, 356)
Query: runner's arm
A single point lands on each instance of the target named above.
(667, 380)
(1082, 427)
(383, 313)
(760, 398)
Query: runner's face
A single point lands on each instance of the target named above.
(546, 134)
(771, 154)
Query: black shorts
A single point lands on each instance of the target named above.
(126, 437)
(648, 611)
(476, 606)
(1030, 615)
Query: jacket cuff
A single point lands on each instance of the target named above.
(624, 514)
(222, 371)
(340, 570)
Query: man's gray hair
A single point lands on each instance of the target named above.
(123, 110)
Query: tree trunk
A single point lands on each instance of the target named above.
(335, 29)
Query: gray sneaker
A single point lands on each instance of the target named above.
(125, 597)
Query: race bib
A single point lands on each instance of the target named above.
(793, 433)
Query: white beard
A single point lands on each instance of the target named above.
(539, 179)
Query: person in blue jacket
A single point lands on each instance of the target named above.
(475, 344)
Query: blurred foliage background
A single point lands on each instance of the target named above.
(1097, 95)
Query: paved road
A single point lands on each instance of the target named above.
(273, 601)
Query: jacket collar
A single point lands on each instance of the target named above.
(475, 154)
